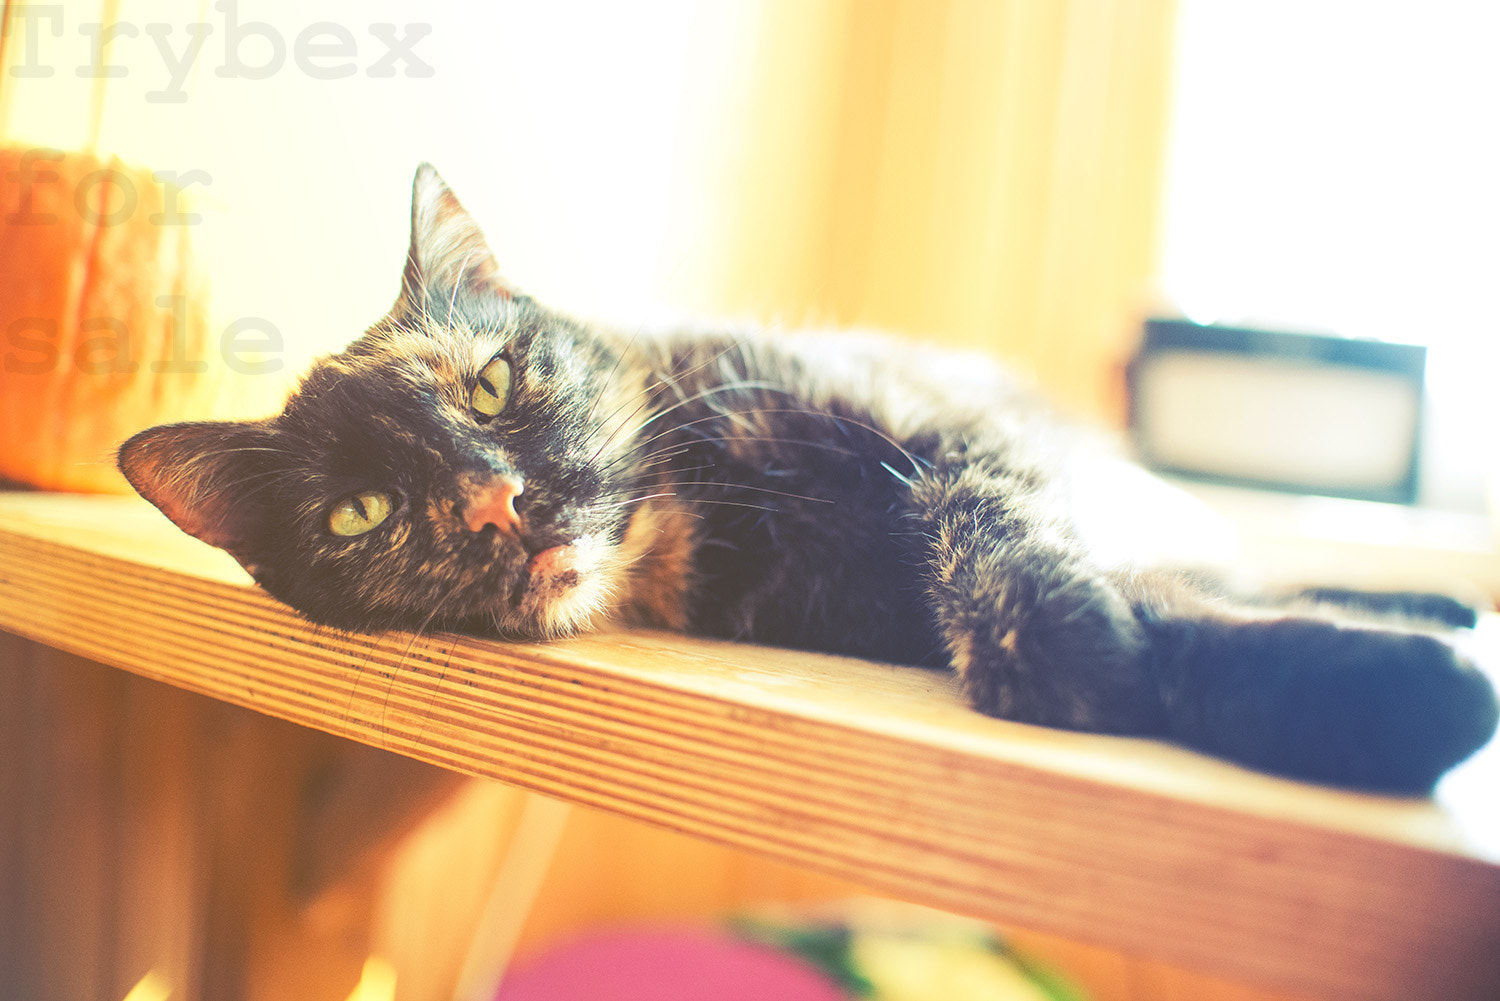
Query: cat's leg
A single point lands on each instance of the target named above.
(1309, 695)
(1039, 634)
(1412, 606)
(1034, 631)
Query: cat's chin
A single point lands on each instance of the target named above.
(564, 590)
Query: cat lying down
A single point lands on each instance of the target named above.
(479, 462)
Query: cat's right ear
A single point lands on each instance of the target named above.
(448, 255)
(209, 478)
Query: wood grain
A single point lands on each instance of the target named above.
(861, 770)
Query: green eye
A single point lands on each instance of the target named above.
(492, 391)
(359, 514)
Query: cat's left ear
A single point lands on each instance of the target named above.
(448, 254)
(209, 478)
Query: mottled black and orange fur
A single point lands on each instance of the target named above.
(838, 493)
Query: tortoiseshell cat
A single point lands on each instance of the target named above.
(479, 462)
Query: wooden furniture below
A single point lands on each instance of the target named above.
(865, 772)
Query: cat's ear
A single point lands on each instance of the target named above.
(208, 478)
(448, 254)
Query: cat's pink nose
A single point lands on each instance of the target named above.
(493, 503)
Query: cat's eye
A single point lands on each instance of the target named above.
(492, 390)
(360, 513)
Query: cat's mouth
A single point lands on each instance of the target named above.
(553, 570)
(560, 587)
(554, 562)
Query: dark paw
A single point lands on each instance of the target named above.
(1367, 708)
(1422, 606)
(1420, 708)
(1066, 653)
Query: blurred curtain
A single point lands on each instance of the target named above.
(984, 172)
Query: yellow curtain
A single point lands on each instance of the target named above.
(983, 172)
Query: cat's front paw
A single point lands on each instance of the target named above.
(1371, 708)
(1065, 651)
(1395, 713)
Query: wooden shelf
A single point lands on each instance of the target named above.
(858, 769)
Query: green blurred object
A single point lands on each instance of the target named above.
(901, 954)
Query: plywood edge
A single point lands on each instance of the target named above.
(862, 770)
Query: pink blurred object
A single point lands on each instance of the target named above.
(666, 965)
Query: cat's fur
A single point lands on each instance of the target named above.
(851, 495)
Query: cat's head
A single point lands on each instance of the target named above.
(456, 466)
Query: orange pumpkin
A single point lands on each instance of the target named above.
(103, 316)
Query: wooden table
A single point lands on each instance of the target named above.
(862, 770)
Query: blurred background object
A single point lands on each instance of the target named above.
(1295, 412)
(104, 304)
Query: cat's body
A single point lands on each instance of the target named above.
(479, 462)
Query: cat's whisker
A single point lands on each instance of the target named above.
(257, 481)
(671, 430)
(615, 505)
(610, 438)
(661, 457)
(904, 479)
(696, 501)
(453, 295)
(672, 378)
(610, 378)
(717, 415)
(641, 398)
(705, 394)
(916, 463)
(728, 503)
(678, 512)
(840, 419)
(419, 632)
(671, 450)
(759, 490)
(638, 461)
(241, 449)
(385, 701)
(668, 379)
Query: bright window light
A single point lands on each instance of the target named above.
(1334, 169)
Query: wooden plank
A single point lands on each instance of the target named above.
(862, 770)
